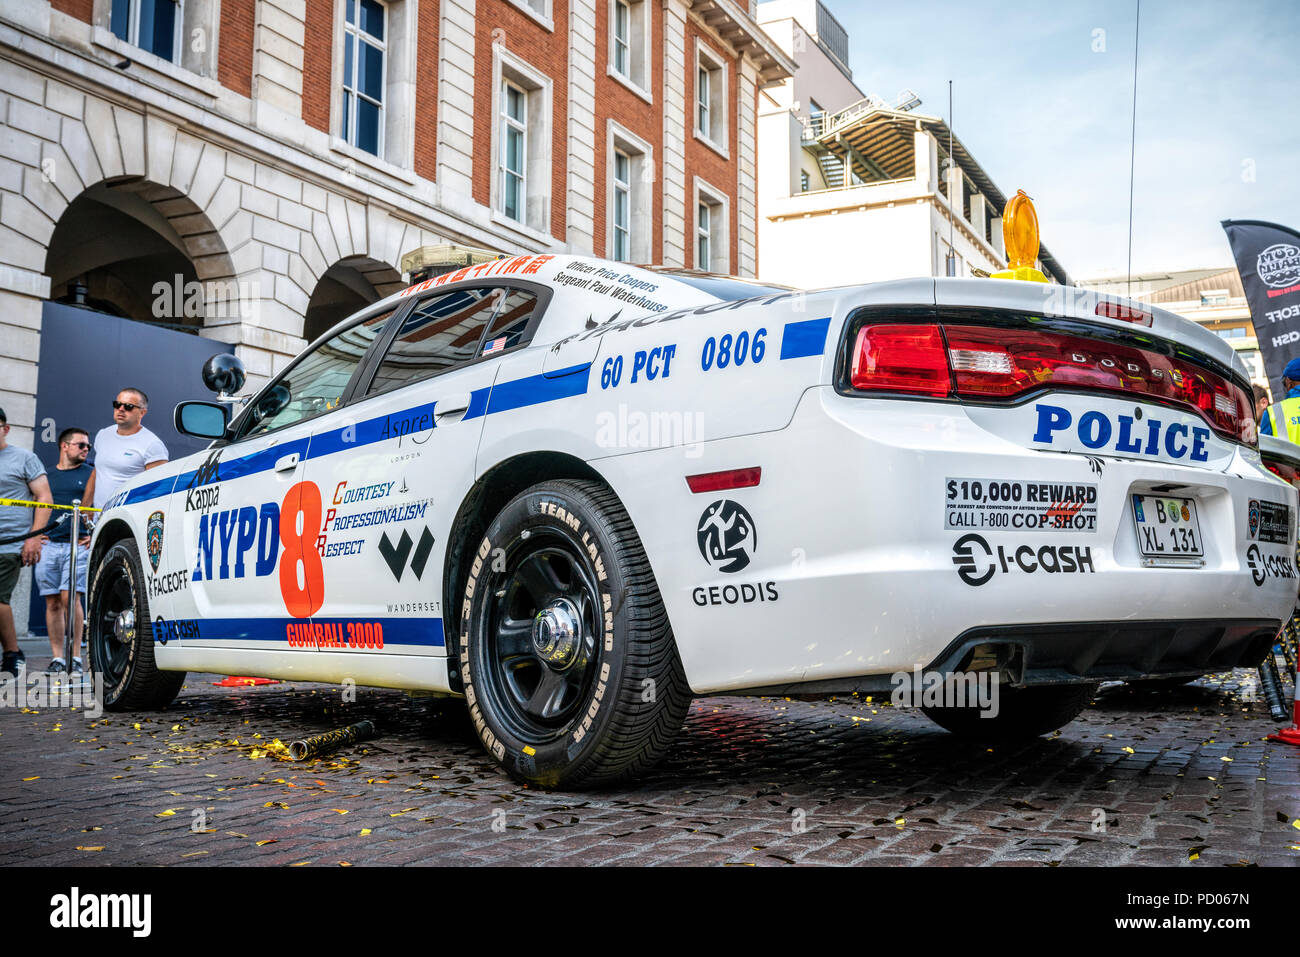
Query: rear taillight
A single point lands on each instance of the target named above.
(990, 363)
(901, 358)
(1283, 471)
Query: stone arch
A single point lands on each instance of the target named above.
(350, 284)
(144, 250)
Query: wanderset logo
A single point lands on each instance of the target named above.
(75, 909)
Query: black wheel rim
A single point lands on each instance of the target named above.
(540, 648)
(110, 655)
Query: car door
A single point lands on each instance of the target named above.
(394, 472)
(245, 516)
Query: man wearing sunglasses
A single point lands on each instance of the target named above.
(125, 449)
(68, 482)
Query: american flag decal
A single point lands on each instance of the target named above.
(496, 345)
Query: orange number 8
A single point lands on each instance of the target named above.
(305, 600)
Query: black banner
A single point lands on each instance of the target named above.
(1268, 259)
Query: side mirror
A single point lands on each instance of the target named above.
(203, 420)
(223, 374)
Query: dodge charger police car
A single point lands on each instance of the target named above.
(577, 493)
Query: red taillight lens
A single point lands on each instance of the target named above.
(1118, 310)
(901, 358)
(1283, 471)
(992, 363)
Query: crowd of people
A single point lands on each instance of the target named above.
(30, 536)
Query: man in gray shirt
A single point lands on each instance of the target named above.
(22, 478)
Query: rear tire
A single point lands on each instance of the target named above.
(121, 650)
(568, 662)
(1023, 713)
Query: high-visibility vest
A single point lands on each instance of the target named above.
(1285, 419)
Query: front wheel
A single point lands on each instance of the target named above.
(568, 663)
(120, 635)
(1019, 713)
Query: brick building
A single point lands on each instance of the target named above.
(270, 161)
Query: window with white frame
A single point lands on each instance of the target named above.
(622, 212)
(540, 10)
(521, 141)
(712, 240)
(629, 196)
(152, 25)
(710, 98)
(364, 53)
(514, 151)
(629, 43)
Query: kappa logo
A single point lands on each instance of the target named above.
(154, 538)
(727, 536)
(396, 555)
(207, 472)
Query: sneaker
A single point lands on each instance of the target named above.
(12, 665)
(57, 666)
(77, 667)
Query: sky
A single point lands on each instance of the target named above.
(1042, 98)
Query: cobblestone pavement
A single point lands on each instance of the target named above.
(1178, 777)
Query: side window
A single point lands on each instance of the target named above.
(513, 317)
(315, 383)
(446, 331)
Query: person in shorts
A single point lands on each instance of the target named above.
(53, 572)
(22, 478)
(124, 449)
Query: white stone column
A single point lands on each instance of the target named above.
(582, 159)
(978, 212)
(995, 227)
(674, 112)
(278, 34)
(927, 159)
(21, 297)
(456, 108)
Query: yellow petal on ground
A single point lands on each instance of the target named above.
(338, 810)
(194, 854)
(300, 864)
(365, 831)
(900, 821)
(1194, 856)
(280, 804)
(81, 848)
(271, 840)
(1296, 823)
(345, 863)
(1128, 750)
(1225, 759)
(35, 778)
(167, 813)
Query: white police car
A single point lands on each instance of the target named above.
(578, 492)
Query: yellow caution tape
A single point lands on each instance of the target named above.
(18, 501)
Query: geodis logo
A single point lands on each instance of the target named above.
(726, 536)
(977, 561)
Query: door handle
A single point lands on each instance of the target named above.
(288, 463)
(457, 404)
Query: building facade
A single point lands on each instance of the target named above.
(254, 170)
(854, 188)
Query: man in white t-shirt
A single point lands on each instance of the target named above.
(124, 450)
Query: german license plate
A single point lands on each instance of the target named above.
(1167, 529)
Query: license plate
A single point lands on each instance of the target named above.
(1167, 530)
